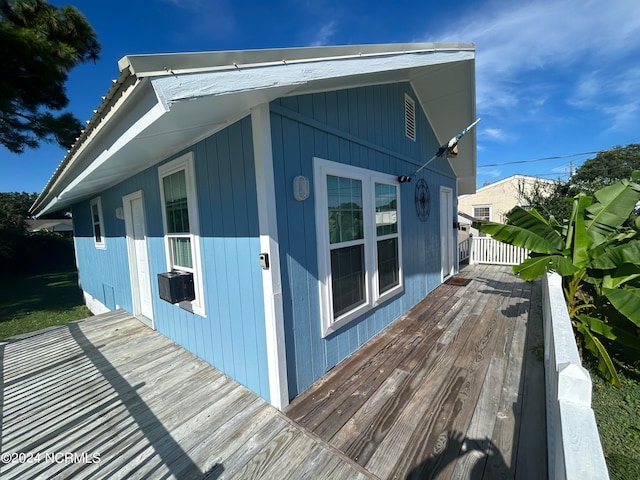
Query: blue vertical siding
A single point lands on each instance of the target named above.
(362, 127)
(232, 336)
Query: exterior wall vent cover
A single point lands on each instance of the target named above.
(410, 117)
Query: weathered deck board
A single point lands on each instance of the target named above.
(440, 393)
(432, 405)
(110, 386)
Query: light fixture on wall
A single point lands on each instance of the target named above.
(300, 188)
(120, 213)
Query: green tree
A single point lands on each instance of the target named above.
(14, 209)
(597, 252)
(607, 167)
(39, 45)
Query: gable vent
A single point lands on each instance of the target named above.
(410, 117)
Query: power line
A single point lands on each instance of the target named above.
(538, 159)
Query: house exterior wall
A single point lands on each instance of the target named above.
(232, 335)
(500, 197)
(363, 127)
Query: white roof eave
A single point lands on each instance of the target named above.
(175, 121)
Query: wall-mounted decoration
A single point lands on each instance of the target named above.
(423, 200)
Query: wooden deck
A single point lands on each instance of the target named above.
(455, 389)
(441, 393)
(109, 398)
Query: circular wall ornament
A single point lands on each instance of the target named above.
(423, 200)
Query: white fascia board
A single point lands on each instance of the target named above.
(189, 86)
(136, 129)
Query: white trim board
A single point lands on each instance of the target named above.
(271, 277)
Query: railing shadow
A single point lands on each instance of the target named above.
(87, 408)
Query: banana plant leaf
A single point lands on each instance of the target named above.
(621, 276)
(626, 301)
(616, 256)
(612, 208)
(581, 241)
(593, 344)
(535, 267)
(611, 332)
(525, 230)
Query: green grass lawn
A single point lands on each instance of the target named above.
(617, 413)
(32, 302)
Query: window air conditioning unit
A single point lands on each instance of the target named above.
(176, 286)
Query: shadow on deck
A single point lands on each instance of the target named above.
(107, 397)
(455, 389)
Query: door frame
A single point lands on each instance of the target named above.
(127, 201)
(446, 235)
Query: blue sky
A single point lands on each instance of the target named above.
(553, 77)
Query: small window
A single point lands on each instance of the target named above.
(482, 212)
(98, 224)
(410, 117)
(359, 256)
(180, 218)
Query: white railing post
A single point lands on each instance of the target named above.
(573, 444)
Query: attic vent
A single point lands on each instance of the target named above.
(410, 117)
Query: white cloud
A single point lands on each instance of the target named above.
(612, 93)
(494, 134)
(518, 43)
(324, 34)
(495, 173)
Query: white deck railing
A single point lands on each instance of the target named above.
(488, 250)
(573, 444)
(464, 249)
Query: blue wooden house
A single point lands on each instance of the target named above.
(247, 205)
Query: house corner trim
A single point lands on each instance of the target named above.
(271, 277)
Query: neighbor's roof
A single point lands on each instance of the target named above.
(50, 225)
(526, 178)
(149, 114)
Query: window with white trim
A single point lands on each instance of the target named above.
(482, 212)
(181, 225)
(359, 240)
(97, 222)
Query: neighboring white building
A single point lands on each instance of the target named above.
(493, 201)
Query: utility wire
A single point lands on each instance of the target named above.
(538, 159)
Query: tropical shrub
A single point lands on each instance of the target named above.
(597, 252)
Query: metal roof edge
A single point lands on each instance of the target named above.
(188, 62)
(108, 100)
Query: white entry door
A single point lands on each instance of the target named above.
(136, 231)
(446, 232)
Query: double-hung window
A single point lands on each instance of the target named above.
(97, 222)
(358, 233)
(181, 226)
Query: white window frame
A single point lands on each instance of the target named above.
(373, 297)
(489, 206)
(186, 163)
(101, 244)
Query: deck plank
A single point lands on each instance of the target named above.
(434, 410)
(150, 409)
(440, 393)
